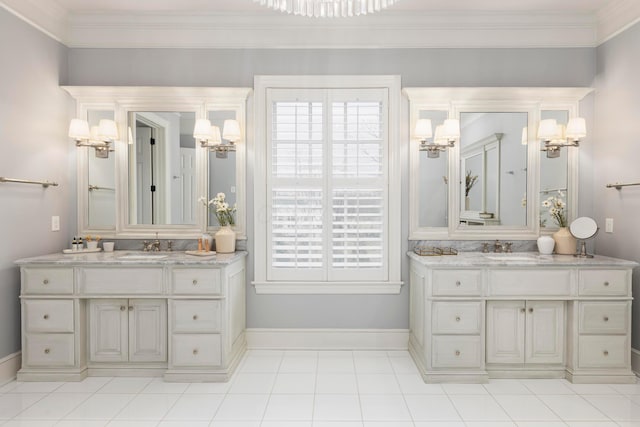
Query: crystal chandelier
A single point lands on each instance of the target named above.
(327, 8)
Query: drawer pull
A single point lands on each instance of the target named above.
(123, 308)
(606, 353)
(47, 351)
(606, 318)
(45, 282)
(458, 283)
(457, 318)
(195, 351)
(130, 308)
(606, 283)
(195, 317)
(530, 310)
(523, 310)
(195, 282)
(457, 352)
(45, 317)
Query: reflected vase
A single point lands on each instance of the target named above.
(225, 240)
(207, 241)
(546, 245)
(565, 242)
(467, 202)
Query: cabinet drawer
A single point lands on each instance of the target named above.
(602, 351)
(48, 315)
(456, 352)
(604, 282)
(457, 317)
(196, 316)
(196, 350)
(196, 281)
(49, 350)
(604, 317)
(47, 280)
(528, 283)
(117, 280)
(457, 282)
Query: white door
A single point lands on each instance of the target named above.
(187, 183)
(545, 332)
(108, 330)
(505, 331)
(147, 330)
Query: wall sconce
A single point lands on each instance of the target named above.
(209, 136)
(98, 137)
(556, 136)
(445, 136)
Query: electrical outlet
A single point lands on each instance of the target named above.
(233, 189)
(608, 225)
(55, 223)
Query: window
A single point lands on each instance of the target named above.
(327, 193)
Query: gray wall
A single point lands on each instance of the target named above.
(418, 67)
(616, 157)
(34, 115)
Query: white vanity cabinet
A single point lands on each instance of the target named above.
(179, 317)
(475, 316)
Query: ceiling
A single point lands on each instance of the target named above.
(407, 24)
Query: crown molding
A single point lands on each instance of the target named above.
(46, 16)
(617, 17)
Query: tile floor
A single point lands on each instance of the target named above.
(319, 389)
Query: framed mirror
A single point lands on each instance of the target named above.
(153, 180)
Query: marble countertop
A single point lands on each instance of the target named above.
(133, 258)
(518, 259)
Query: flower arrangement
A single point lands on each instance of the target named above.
(557, 208)
(469, 182)
(224, 212)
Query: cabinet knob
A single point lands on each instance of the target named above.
(458, 283)
(606, 283)
(195, 351)
(45, 317)
(47, 351)
(530, 309)
(123, 308)
(457, 318)
(606, 318)
(45, 282)
(606, 353)
(195, 317)
(195, 282)
(523, 310)
(130, 308)
(457, 352)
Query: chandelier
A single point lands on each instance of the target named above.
(327, 8)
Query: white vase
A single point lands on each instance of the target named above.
(565, 242)
(545, 245)
(467, 202)
(207, 241)
(225, 240)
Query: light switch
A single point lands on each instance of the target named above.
(55, 223)
(608, 225)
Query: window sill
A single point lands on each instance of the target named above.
(328, 288)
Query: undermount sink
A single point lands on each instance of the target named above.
(510, 257)
(143, 256)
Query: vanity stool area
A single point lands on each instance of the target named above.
(477, 316)
(122, 314)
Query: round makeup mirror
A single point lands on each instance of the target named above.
(583, 228)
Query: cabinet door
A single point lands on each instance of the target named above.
(147, 330)
(505, 331)
(108, 330)
(545, 332)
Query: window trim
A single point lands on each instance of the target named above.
(261, 214)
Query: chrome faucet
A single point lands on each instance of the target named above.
(156, 244)
(497, 247)
(485, 248)
(506, 247)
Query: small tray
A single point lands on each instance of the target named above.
(200, 253)
(81, 251)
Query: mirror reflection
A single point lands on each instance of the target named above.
(162, 168)
(222, 167)
(433, 180)
(553, 172)
(101, 187)
(493, 169)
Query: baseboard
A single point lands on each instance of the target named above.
(328, 339)
(635, 361)
(9, 366)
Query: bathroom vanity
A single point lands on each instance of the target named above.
(130, 313)
(476, 316)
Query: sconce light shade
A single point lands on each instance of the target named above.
(438, 138)
(576, 129)
(423, 129)
(547, 130)
(231, 130)
(94, 137)
(129, 136)
(79, 129)
(451, 129)
(525, 135)
(215, 136)
(202, 130)
(107, 130)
